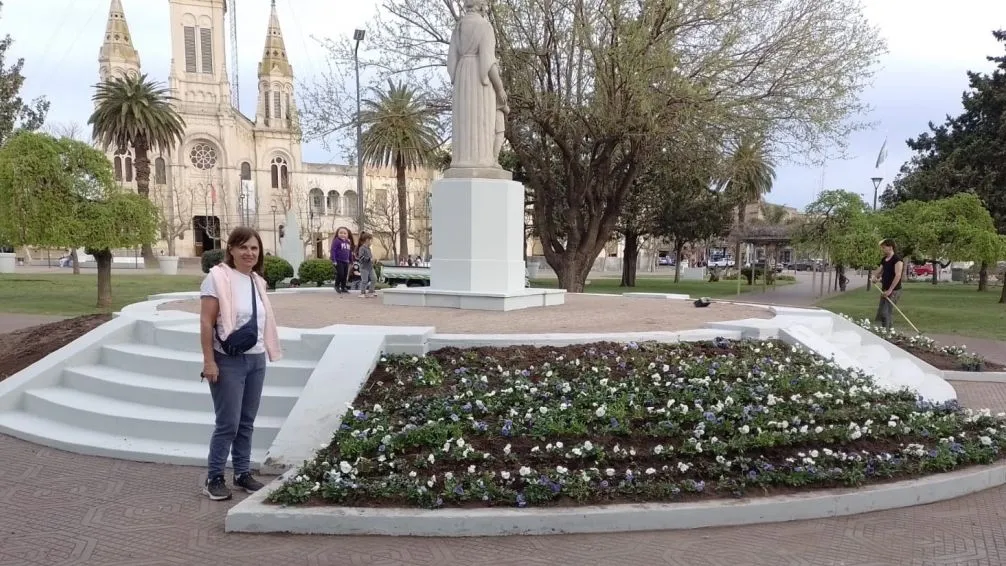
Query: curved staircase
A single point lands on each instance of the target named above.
(139, 397)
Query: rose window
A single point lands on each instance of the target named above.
(203, 156)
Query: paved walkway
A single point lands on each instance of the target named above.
(60, 508)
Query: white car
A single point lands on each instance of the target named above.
(721, 262)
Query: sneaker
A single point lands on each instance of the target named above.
(216, 489)
(364, 295)
(248, 483)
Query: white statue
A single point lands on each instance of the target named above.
(480, 101)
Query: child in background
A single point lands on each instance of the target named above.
(365, 257)
(342, 256)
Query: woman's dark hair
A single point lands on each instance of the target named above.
(364, 238)
(888, 243)
(239, 236)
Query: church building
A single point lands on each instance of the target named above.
(233, 170)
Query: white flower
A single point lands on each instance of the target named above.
(658, 449)
(588, 445)
(506, 449)
(609, 472)
(744, 429)
(558, 445)
(561, 470)
(412, 474)
(525, 471)
(460, 442)
(345, 467)
(543, 410)
(600, 412)
(377, 408)
(650, 471)
(683, 467)
(986, 441)
(431, 459)
(449, 476)
(505, 475)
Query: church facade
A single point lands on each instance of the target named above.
(233, 170)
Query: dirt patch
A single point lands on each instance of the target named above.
(581, 313)
(943, 361)
(21, 348)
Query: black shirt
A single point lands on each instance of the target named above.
(887, 275)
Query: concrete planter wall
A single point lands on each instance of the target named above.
(168, 264)
(8, 263)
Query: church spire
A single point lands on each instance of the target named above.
(274, 55)
(117, 54)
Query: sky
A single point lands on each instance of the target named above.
(931, 45)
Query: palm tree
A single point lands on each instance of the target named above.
(751, 176)
(399, 132)
(134, 112)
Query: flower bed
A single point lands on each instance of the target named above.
(955, 358)
(604, 423)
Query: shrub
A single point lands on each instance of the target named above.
(316, 271)
(276, 269)
(785, 278)
(758, 273)
(211, 258)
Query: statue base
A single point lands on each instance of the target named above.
(495, 173)
(478, 255)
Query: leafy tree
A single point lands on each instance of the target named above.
(60, 193)
(966, 153)
(15, 113)
(596, 86)
(399, 132)
(750, 178)
(135, 112)
(839, 225)
(690, 214)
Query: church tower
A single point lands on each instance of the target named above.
(198, 76)
(117, 57)
(276, 108)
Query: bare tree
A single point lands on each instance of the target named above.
(73, 130)
(421, 222)
(381, 219)
(175, 207)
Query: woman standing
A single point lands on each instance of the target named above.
(237, 330)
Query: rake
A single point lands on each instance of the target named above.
(897, 308)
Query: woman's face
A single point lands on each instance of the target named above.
(343, 233)
(246, 254)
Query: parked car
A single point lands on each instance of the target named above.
(925, 270)
(761, 265)
(721, 262)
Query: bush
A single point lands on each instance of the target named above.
(316, 271)
(759, 272)
(276, 269)
(211, 258)
(785, 278)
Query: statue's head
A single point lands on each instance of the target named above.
(479, 6)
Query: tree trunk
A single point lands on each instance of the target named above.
(75, 261)
(104, 260)
(403, 209)
(936, 271)
(630, 259)
(678, 246)
(573, 272)
(842, 281)
(141, 162)
(1002, 296)
(983, 277)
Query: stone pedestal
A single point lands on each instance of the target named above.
(478, 259)
(8, 263)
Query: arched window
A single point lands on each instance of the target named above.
(160, 176)
(118, 168)
(246, 171)
(333, 202)
(349, 205)
(317, 201)
(203, 155)
(280, 173)
(129, 169)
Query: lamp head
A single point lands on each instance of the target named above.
(359, 34)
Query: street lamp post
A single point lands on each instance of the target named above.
(241, 207)
(358, 36)
(876, 186)
(275, 241)
(310, 223)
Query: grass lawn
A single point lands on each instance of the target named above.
(940, 309)
(67, 294)
(662, 284)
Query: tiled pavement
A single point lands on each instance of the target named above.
(58, 508)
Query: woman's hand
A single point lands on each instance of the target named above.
(210, 371)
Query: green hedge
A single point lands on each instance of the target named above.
(276, 269)
(211, 258)
(316, 271)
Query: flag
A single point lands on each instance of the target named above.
(882, 155)
(213, 194)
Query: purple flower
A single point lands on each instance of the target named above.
(458, 490)
(521, 502)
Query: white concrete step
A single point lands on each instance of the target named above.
(874, 359)
(185, 337)
(166, 392)
(111, 416)
(164, 362)
(846, 340)
(56, 434)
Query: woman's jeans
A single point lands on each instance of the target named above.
(368, 279)
(341, 276)
(236, 395)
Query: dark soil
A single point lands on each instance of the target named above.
(22, 348)
(945, 362)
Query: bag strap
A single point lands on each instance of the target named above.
(254, 296)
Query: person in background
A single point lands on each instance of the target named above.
(368, 278)
(889, 277)
(342, 256)
(237, 331)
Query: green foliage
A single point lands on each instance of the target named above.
(958, 228)
(840, 225)
(276, 269)
(133, 111)
(211, 258)
(61, 194)
(316, 271)
(16, 114)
